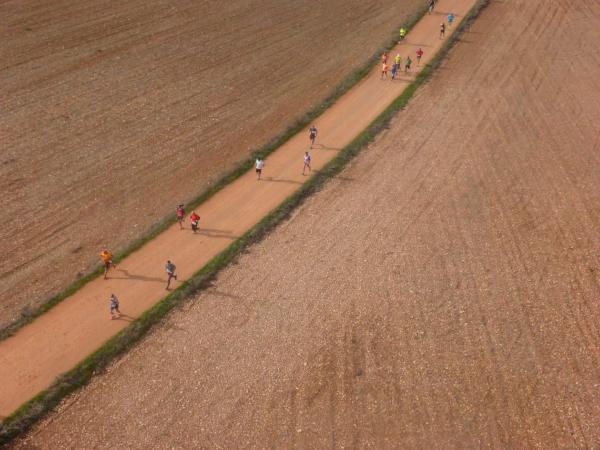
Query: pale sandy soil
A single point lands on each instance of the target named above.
(112, 113)
(441, 293)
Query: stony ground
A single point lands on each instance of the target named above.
(114, 113)
(442, 292)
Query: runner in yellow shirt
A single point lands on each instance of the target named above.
(403, 32)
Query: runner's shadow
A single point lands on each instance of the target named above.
(210, 232)
(125, 318)
(275, 180)
(129, 276)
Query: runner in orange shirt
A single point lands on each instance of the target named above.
(106, 257)
(384, 71)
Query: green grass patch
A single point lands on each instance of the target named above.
(22, 419)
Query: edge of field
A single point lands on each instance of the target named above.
(25, 416)
(28, 315)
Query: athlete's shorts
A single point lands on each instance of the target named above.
(107, 264)
(313, 136)
(258, 170)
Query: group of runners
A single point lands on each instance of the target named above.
(396, 66)
(107, 256)
(450, 18)
(397, 63)
(108, 263)
(259, 164)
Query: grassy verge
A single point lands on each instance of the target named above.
(28, 315)
(22, 419)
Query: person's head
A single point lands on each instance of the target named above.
(169, 262)
(306, 153)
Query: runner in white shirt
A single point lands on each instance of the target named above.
(306, 162)
(259, 167)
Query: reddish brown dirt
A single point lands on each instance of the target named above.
(113, 113)
(78, 325)
(441, 293)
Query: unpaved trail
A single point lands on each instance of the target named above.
(113, 113)
(79, 325)
(441, 293)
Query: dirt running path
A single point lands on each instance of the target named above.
(79, 325)
(101, 99)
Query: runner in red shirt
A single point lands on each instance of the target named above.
(194, 219)
(419, 55)
(384, 58)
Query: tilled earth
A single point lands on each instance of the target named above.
(442, 292)
(113, 113)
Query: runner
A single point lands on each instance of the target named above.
(431, 5)
(194, 219)
(306, 162)
(180, 213)
(402, 34)
(312, 134)
(259, 167)
(384, 57)
(450, 19)
(114, 307)
(395, 67)
(384, 70)
(107, 257)
(407, 64)
(442, 30)
(170, 269)
(398, 59)
(419, 56)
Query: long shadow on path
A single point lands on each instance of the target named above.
(131, 276)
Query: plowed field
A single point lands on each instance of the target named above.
(441, 293)
(112, 113)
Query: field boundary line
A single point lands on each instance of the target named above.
(29, 413)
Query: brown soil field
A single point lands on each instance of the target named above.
(114, 113)
(442, 292)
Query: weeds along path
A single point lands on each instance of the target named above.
(54, 343)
